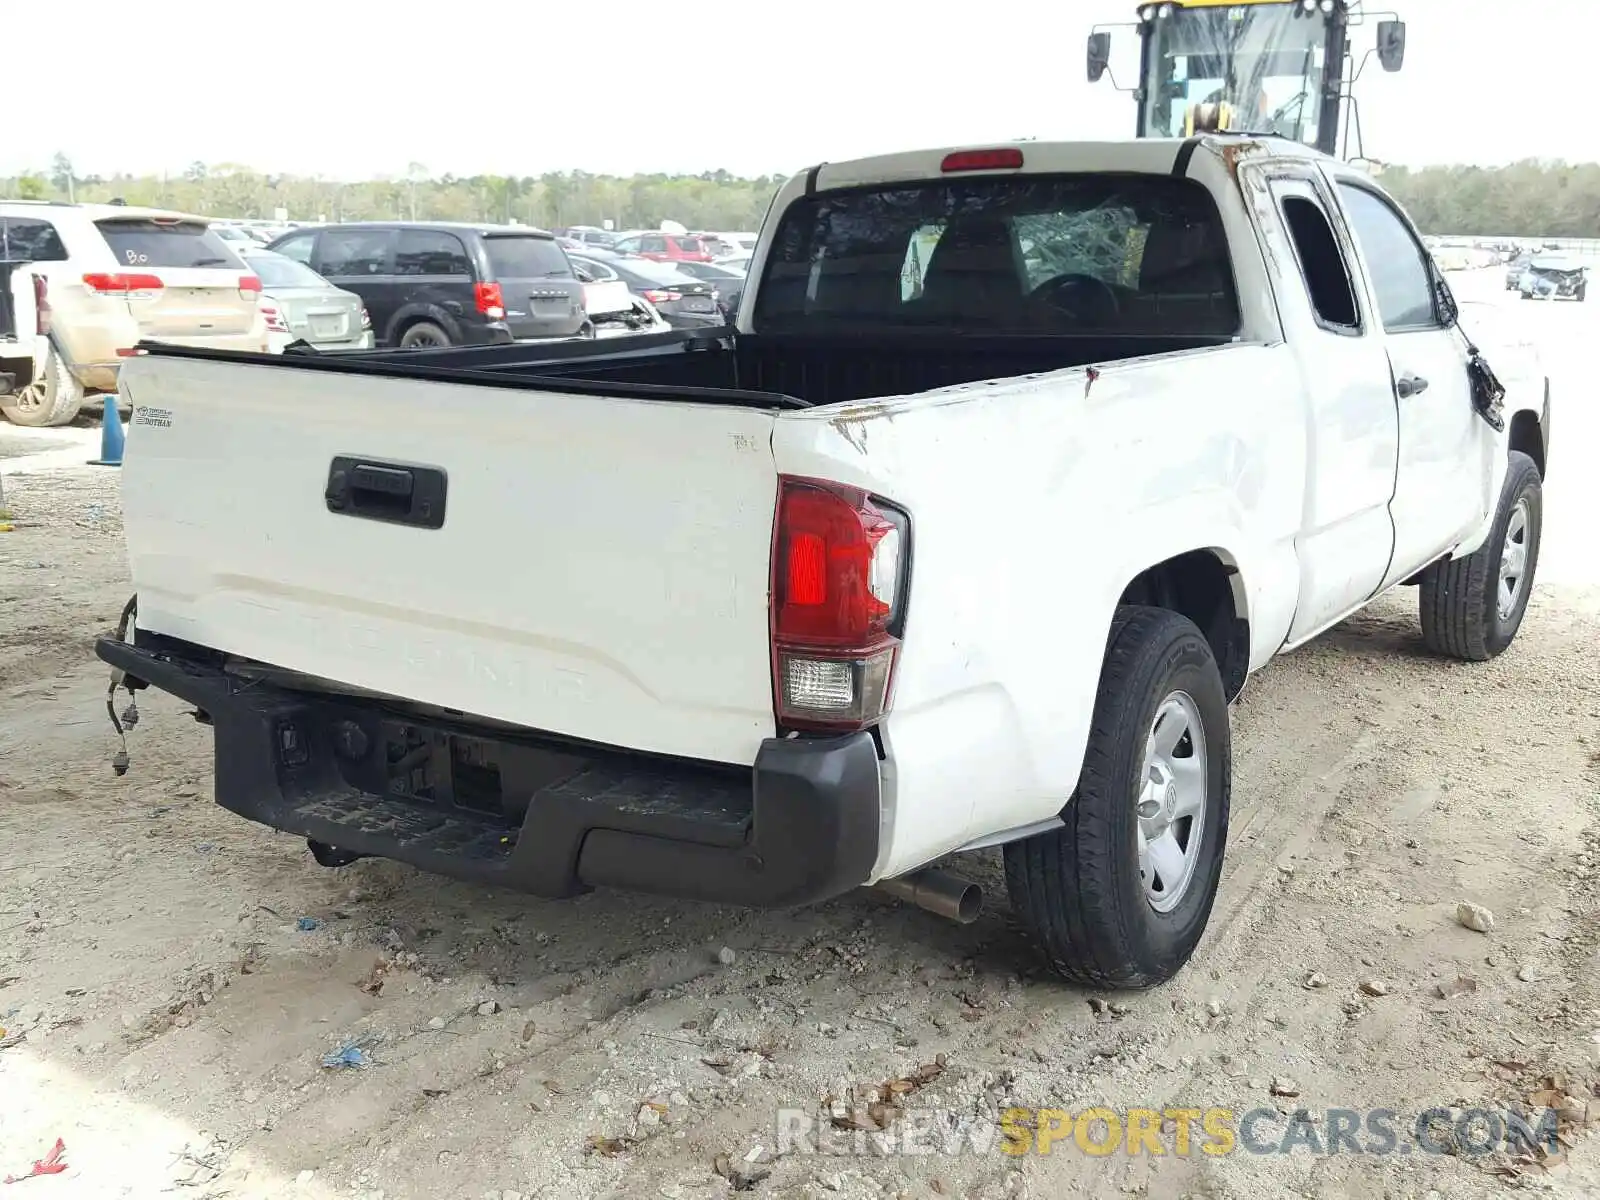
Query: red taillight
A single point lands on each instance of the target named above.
(655, 296)
(839, 566)
(41, 306)
(249, 287)
(119, 284)
(276, 321)
(491, 303)
(1007, 158)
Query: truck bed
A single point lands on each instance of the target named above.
(763, 370)
(590, 557)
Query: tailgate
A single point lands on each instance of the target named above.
(601, 570)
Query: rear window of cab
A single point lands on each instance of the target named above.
(1032, 254)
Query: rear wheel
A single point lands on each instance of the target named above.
(424, 335)
(53, 398)
(1120, 895)
(1473, 606)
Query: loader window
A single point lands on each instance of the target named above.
(1121, 254)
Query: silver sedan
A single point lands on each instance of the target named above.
(301, 305)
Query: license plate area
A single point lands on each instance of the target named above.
(326, 326)
(440, 768)
(430, 767)
(697, 304)
(549, 306)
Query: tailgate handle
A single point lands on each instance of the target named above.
(399, 493)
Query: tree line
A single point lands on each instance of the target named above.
(1525, 199)
(712, 200)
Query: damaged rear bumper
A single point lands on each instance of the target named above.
(520, 809)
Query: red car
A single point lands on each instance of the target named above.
(664, 247)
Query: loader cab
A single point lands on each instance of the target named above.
(1255, 66)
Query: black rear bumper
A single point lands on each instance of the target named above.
(520, 809)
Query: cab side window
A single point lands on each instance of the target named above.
(1322, 267)
(1402, 275)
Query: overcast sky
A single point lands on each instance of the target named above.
(347, 89)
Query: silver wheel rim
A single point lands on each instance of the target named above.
(31, 399)
(424, 341)
(1171, 803)
(1514, 559)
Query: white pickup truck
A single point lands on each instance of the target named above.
(1015, 464)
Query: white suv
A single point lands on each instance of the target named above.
(82, 284)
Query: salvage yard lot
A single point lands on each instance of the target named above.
(176, 1012)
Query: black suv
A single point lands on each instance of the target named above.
(447, 284)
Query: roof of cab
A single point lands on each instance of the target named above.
(1156, 156)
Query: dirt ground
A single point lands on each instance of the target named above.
(166, 1015)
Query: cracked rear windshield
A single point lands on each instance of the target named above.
(1122, 254)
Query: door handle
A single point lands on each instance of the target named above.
(1410, 385)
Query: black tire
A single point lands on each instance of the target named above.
(1460, 598)
(424, 335)
(1579, 294)
(1078, 889)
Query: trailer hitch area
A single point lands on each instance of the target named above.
(131, 684)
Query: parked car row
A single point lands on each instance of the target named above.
(81, 285)
(661, 245)
(448, 284)
(432, 284)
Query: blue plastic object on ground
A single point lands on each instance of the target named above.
(112, 437)
(307, 924)
(347, 1055)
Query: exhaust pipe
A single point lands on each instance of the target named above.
(938, 892)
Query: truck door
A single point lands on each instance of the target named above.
(1352, 440)
(1443, 477)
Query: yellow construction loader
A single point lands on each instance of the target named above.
(1283, 67)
